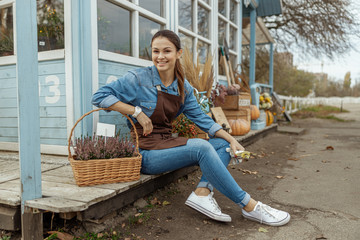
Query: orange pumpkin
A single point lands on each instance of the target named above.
(269, 118)
(254, 112)
(239, 127)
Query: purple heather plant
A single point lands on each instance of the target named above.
(96, 147)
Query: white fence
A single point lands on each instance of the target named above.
(293, 104)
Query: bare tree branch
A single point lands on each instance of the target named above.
(317, 27)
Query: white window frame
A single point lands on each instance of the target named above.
(229, 24)
(42, 56)
(135, 11)
(194, 33)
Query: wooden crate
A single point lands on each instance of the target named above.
(236, 102)
(242, 113)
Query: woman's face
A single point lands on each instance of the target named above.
(164, 54)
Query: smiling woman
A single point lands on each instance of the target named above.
(155, 96)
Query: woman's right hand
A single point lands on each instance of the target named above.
(146, 123)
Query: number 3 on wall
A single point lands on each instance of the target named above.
(54, 88)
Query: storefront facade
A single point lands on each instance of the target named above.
(85, 44)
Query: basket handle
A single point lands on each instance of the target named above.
(95, 110)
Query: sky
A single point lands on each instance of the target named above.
(337, 68)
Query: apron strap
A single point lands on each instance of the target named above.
(158, 87)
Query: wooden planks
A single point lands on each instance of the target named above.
(57, 204)
(9, 198)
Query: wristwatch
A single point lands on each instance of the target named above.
(138, 110)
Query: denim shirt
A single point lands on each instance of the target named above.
(138, 88)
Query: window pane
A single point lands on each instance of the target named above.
(222, 31)
(203, 22)
(6, 32)
(221, 7)
(113, 28)
(233, 38)
(155, 6)
(185, 14)
(233, 61)
(233, 11)
(186, 42)
(147, 29)
(50, 19)
(203, 49)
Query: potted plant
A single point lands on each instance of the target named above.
(184, 127)
(201, 79)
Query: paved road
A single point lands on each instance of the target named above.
(323, 184)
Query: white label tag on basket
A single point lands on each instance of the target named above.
(104, 129)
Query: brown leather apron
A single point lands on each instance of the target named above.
(166, 109)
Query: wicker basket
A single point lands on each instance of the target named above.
(102, 171)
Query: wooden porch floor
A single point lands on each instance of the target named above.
(62, 195)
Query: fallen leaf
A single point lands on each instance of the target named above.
(293, 159)
(123, 225)
(166, 203)
(62, 235)
(320, 237)
(261, 229)
(248, 171)
(329, 148)
(154, 201)
(138, 214)
(280, 177)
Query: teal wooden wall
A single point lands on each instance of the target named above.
(108, 72)
(52, 103)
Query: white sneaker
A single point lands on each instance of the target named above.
(265, 214)
(207, 205)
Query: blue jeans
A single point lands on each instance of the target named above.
(210, 155)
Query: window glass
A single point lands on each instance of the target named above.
(203, 49)
(233, 37)
(222, 31)
(185, 14)
(147, 29)
(186, 42)
(50, 20)
(221, 7)
(113, 28)
(155, 6)
(6, 32)
(233, 61)
(233, 11)
(203, 22)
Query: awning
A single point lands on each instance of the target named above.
(262, 33)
